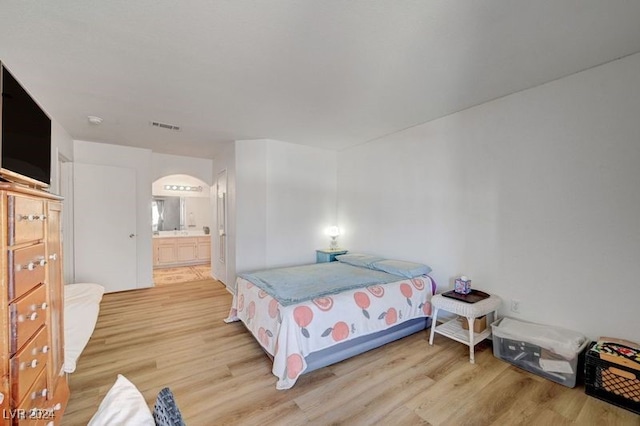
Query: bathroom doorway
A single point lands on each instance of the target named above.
(181, 217)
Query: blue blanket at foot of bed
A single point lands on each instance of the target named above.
(300, 283)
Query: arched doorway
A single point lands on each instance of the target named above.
(181, 220)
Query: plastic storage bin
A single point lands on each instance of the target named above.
(614, 378)
(553, 353)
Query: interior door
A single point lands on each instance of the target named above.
(105, 226)
(220, 264)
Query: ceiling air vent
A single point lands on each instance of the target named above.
(164, 126)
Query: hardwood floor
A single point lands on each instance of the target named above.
(181, 274)
(174, 336)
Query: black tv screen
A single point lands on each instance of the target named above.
(26, 132)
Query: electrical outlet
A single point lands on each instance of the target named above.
(515, 305)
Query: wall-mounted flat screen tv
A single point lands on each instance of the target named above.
(25, 135)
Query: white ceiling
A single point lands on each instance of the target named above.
(324, 73)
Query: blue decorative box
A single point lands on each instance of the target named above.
(463, 285)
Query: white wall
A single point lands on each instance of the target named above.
(251, 205)
(286, 198)
(165, 164)
(534, 196)
(140, 160)
(198, 212)
(301, 202)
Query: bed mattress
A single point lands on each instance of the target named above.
(290, 334)
(81, 308)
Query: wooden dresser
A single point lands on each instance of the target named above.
(33, 387)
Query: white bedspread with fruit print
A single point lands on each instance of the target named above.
(290, 333)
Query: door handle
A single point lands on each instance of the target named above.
(132, 235)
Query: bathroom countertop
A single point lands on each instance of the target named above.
(181, 234)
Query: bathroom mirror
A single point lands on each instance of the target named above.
(170, 213)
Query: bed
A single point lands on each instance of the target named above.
(307, 317)
(81, 309)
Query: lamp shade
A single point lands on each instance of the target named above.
(333, 231)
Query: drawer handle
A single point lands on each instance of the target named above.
(39, 394)
(35, 351)
(32, 217)
(32, 364)
(53, 256)
(42, 306)
(31, 265)
(1, 397)
(31, 317)
(57, 407)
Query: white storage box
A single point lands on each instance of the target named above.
(551, 352)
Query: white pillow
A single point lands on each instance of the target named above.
(122, 405)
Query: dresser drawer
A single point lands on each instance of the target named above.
(26, 219)
(27, 315)
(26, 269)
(27, 364)
(35, 409)
(58, 403)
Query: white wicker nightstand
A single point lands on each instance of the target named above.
(453, 330)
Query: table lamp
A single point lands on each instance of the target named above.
(333, 232)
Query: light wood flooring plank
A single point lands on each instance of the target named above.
(174, 335)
